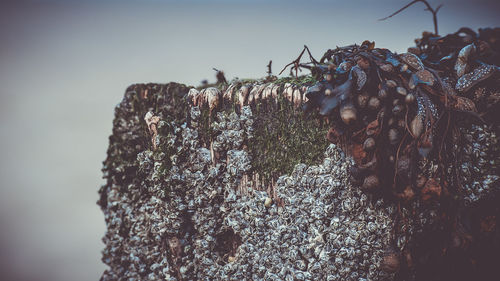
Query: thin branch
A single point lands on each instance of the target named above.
(429, 8)
(296, 63)
(269, 70)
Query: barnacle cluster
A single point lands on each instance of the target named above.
(479, 162)
(325, 229)
(192, 211)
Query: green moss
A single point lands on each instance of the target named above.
(301, 80)
(284, 137)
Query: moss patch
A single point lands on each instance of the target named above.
(284, 137)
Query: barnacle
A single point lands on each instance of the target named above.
(152, 122)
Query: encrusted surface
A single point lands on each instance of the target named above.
(239, 182)
(190, 210)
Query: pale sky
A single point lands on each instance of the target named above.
(64, 65)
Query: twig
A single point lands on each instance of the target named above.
(429, 8)
(221, 79)
(296, 62)
(269, 71)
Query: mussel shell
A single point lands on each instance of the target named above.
(391, 83)
(412, 61)
(369, 144)
(423, 76)
(401, 91)
(360, 77)
(382, 93)
(410, 98)
(462, 59)
(470, 79)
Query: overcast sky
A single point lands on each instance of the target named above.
(64, 65)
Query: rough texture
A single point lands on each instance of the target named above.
(185, 211)
(239, 182)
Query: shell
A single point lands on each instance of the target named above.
(401, 91)
(412, 61)
(288, 92)
(213, 97)
(228, 93)
(193, 96)
(348, 113)
(462, 59)
(268, 202)
(360, 77)
(410, 98)
(423, 76)
(369, 144)
(374, 103)
(417, 126)
(391, 83)
(470, 79)
(371, 182)
(243, 95)
(382, 93)
(267, 93)
(297, 97)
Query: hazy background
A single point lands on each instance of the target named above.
(64, 65)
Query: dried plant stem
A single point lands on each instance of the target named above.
(429, 8)
(296, 63)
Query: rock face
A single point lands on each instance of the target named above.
(195, 209)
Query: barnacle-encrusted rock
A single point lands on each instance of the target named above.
(239, 182)
(194, 209)
(479, 162)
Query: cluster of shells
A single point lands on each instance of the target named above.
(326, 229)
(398, 112)
(247, 94)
